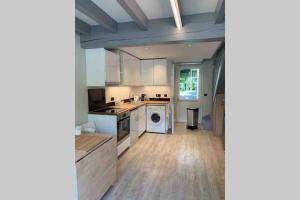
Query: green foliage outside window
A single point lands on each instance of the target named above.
(188, 84)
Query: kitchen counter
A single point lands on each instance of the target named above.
(96, 164)
(134, 105)
(87, 143)
(131, 106)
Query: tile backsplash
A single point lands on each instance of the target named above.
(151, 91)
(123, 92)
(119, 93)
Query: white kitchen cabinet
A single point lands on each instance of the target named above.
(160, 72)
(97, 171)
(102, 67)
(134, 126)
(112, 67)
(142, 120)
(130, 70)
(137, 123)
(147, 72)
(154, 72)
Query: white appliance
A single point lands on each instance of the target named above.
(156, 118)
(136, 98)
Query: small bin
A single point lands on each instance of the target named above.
(192, 118)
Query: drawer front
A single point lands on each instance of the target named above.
(97, 171)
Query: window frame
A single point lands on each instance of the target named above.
(183, 67)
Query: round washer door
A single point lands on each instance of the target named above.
(155, 118)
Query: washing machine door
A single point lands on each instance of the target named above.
(155, 118)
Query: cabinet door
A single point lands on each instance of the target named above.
(126, 63)
(112, 67)
(146, 72)
(160, 72)
(135, 71)
(134, 126)
(142, 119)
(97, 171)
(95, 67)
(131, 70)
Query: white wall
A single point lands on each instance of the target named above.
(205, 103)
(81, 97)
(151, 91)
(125, 92)
(119, 93)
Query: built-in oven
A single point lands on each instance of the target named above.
(123, 126)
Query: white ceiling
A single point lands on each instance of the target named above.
(113, 9)
(191, 52)
(152, 8)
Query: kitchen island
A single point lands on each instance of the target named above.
(96, 164)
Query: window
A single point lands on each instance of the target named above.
(189, 84)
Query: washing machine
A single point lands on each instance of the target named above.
(156, 118)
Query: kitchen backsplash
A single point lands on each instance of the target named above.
(120, 93)
(151, 91)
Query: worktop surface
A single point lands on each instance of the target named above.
(134, 105)
(88, 142)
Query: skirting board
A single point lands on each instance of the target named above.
(183, 121)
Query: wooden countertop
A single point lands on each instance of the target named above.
(88, 142)
(131, 106)
(134, 105)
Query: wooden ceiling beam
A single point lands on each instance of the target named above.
(82, 27)
(220, 12)
(91, 10)
(197, 28)
(135, 12)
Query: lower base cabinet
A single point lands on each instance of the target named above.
(97, 171)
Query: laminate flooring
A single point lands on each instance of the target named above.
(186, 165)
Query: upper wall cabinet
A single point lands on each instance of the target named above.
(130, 70)
(160, 72)
(154, 72)
(147, 72)
(102, 67)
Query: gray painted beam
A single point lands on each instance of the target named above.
(82, 27)
(197, 28)
(91, 10)
(135, 12)
(220, 12)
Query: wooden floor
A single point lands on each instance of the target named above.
(185, 165)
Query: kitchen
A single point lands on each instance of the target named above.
(128, 93)
(125, 100)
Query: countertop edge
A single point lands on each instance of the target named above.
(109, 137)
(132, 107)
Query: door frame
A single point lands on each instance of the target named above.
(177, 67)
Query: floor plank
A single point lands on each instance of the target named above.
(187, 165)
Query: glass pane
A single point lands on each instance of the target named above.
(188, 84)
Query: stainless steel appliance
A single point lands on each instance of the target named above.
(192, 118)
(123, 123)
